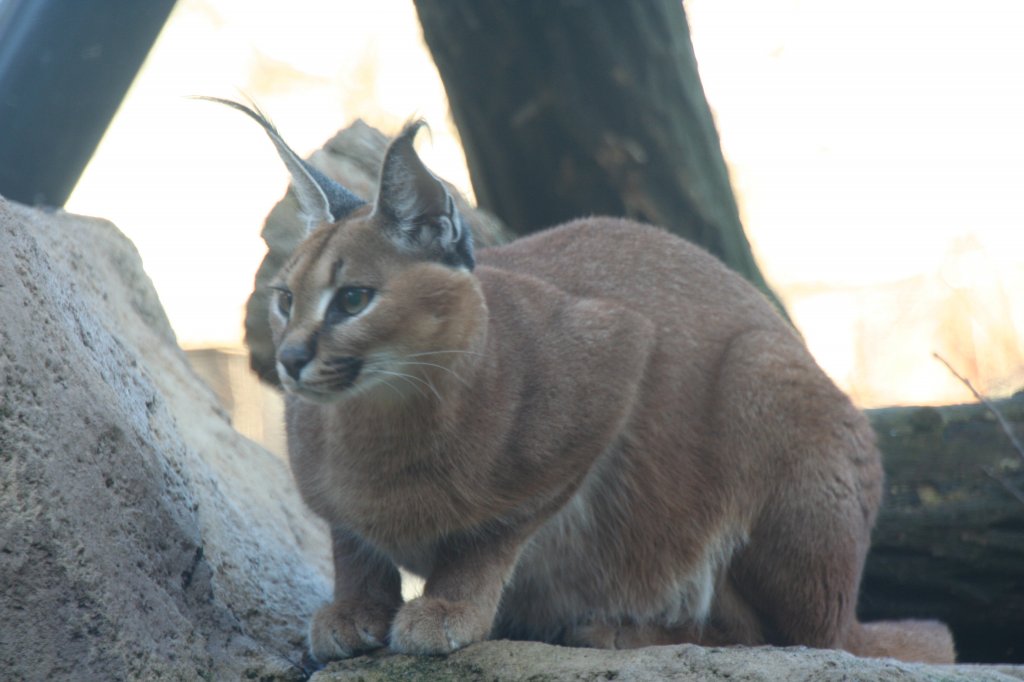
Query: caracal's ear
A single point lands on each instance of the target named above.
(320, 199)
(418, 211)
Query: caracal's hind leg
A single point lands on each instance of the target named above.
(811, 456)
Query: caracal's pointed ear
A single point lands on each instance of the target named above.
(320, 198)
(418, 210)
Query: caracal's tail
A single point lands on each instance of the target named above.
(916, 641)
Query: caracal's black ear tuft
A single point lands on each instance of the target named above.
(418, 211)
(320, 198)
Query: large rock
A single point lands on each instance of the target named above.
(142, 538)
(532, 662)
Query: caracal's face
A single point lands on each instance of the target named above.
(355, 313)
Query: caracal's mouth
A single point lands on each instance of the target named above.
(336, 377)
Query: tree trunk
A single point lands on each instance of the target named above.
(949, 543)
(568, 109)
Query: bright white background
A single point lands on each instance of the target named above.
(877, 149)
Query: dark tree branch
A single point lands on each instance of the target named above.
(568, 109)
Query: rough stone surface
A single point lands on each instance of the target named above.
(140, 536)
(528, 661)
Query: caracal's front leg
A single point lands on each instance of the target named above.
(367, 593)
(460, 598)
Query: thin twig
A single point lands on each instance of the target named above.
(1007, 429)
(1010, 488)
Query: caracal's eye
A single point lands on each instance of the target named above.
(284, 302)
(349, 301)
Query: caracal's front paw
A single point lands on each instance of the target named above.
(428, 625)
(344, 629)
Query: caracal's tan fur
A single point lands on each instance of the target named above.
(597, 435)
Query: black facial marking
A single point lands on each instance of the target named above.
(345, 371)
(336, 271)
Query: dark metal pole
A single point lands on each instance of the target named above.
(65, 66)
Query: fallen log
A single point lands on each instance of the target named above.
(949, 543)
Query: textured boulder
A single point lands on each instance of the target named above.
(511, 662)
(531, 662)
(140, 536)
